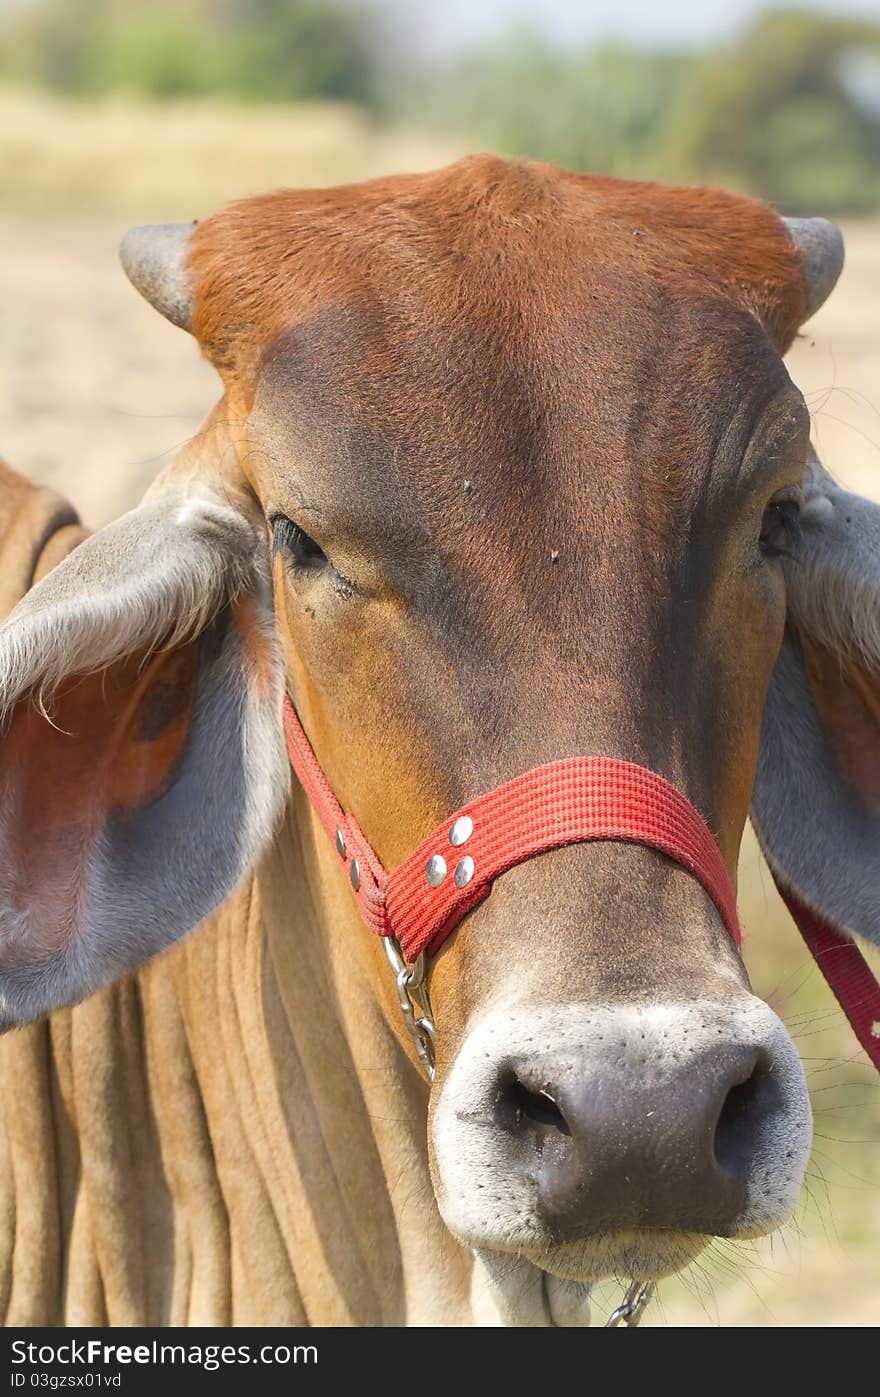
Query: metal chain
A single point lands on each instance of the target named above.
(412, 995)
(633, 1305)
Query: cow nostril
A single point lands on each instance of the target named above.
(740, 1122)
(536, 1106)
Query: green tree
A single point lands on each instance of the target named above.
(266, 50)
(778, 114)
(789, 111)
(601, 109)
(308, 49)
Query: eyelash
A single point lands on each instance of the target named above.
(304, 553)
(779, 538)
(780, 529)
(304, 556)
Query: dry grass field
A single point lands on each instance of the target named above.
(96, 391)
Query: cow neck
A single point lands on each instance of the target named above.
(350, 1061)
(363, 1064)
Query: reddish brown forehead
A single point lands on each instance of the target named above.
(266, 264)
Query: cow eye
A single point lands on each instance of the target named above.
(780, 528)
(303, 551)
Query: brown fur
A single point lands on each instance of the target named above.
(484, 391)
(268, 262)
(848, 702)
(489, 365)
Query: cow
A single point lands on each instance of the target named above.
(507, 467)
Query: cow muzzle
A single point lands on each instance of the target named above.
(590, 1141)
(619, 1140)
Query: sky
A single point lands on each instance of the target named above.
(447, 25)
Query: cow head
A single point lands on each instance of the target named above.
(507, 468)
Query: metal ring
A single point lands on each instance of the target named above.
(633, 1305)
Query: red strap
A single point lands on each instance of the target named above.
(848, 974)
(565, 802)
(343, 830)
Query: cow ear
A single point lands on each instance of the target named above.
(142, 764)
(816, 802)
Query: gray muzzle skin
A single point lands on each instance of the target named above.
(560, 1128)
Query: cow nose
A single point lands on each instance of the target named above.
(638, 1147)
(603, 1128)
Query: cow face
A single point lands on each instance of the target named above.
(507, 468)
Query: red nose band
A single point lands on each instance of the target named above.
(573, 801)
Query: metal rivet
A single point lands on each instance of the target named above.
(461, 830)
(464, 871)
(354, 874)
(435, 870)
(340, 843)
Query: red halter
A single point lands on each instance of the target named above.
(565, 802)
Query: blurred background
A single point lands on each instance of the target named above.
(115, 111)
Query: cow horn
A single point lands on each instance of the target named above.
(154, 260)
(820, 245)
